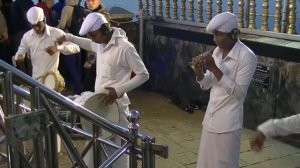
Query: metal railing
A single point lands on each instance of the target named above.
(281, 14)
(43, 114)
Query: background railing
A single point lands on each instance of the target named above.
(265, 15)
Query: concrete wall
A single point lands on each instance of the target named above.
(168, 50)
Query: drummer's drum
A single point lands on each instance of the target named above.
(53, 80)
(92, 102)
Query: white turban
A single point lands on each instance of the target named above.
(223, 22)
(92, 22)
(35, 15)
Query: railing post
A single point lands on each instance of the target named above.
(182, 16)
(160, 8)
(219, 6)
(209, 10)
(140, 4)
(230, 6)
(292, 17)
(191, 10)
(175, 13)
(265, 16)
(168, 9)
(146, 8)
(252, 15)
(148, 153)
(200, 11)
(284, 17)
(133, 118)
(277, 16)
(246, 12)
(241, 14)
(153, 7)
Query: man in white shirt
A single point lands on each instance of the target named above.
(275, 127)
(116, 59)
(229, 71)
(40, 44)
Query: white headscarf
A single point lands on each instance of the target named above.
(35, 15)
(223, 22)
(92, 22)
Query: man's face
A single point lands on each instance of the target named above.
(222, 39)
(92, 4)
(39, 28)
(97, 37)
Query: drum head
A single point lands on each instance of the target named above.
(50, 81)
(109, 112)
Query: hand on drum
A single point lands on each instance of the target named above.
(110, 97)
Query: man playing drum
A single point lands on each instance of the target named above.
(40, 44)
(116, 60)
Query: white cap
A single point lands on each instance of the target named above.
(35, 15)
(92, 22)
(223, 22)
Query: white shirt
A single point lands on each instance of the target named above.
(115, 62)
(224, 112)
(35, 45)
(281, 127)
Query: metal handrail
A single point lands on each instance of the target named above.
(42, 97)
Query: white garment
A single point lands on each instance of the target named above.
(219, 150)
(35, 45)
(281, 127)
(115, 63)
(224, 112)
(35, 15)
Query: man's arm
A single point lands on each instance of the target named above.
(84, 43)
(275, 127)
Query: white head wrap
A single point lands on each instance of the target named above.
(35, 15)
(223, 22)
(92, 22)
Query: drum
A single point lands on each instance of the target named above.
(53, 80)
(91, 101)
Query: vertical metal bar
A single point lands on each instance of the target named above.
(191, 10)
(219, 6)
(284, 17)
(200, 11)
(8, 108)
(292, 17)
(182, 7)
(265, 16)
(252, 15)
(153, 7)
(168, 6)
(230, 6)
(133, 127)
(148, 153)
(175, 9)
(140, 4)
(277, 16)
(96, 147)
(241, 14)
(209, 10)
(146, 7)
(37, 142)
(246, 13)
(160, 8)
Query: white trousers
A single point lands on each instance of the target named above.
(219, 150)
(121, 162)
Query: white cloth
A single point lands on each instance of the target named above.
(224, 112)
(219, 150)
(281, 127)
(115, 62)
(92, 22)
(223, 22)
(35, 15)
(35, 45)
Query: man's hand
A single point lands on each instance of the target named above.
(257, 142)
(51, 50)
(110, 97)
(197, 63)
(61, 40)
